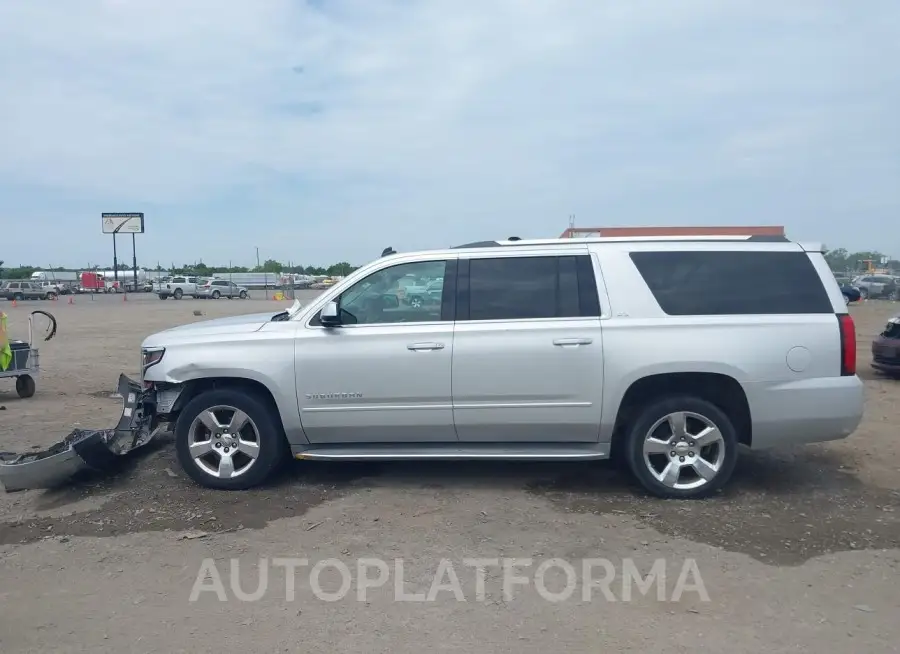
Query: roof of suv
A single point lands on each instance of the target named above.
(513, 242)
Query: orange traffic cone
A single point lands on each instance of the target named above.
(14, 303)
(71, 300)
(124, 297)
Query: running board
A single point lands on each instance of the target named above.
(455, 451)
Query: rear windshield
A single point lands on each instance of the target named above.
(733, 283)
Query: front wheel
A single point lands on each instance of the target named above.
(863, 294)
(228, 439)
(178, 294)
(682, 447)
(243, 295)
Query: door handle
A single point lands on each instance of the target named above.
(569, 342)
(417, 347)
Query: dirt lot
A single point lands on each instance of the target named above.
(802, 552)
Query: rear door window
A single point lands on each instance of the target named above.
(517, 288)
(687, 283)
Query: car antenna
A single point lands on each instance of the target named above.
(388, 251)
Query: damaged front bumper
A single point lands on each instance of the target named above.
(85, 449)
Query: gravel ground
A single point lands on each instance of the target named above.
(801, 552)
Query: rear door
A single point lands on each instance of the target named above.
(527, 348)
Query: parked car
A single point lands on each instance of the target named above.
(60, 288)
(216, 288)
(850, 292)
(539, 350)
(27, 291)
(322, 285)
(876, 286)
(178, 287)
(886, 349)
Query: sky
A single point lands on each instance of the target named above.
(326, 130)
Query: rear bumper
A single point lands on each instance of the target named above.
(804, 411)
(83, 449)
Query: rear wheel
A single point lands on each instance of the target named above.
(228, 439)
(682, 447)
(216, 295)
(864, 294)
(18, 296)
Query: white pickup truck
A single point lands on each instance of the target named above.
(178, 287)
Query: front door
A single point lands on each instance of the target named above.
(528, 350)
(383, 376)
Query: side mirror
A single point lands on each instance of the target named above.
(329, 316)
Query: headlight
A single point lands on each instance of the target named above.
(151, 357)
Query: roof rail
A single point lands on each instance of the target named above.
(477, 244)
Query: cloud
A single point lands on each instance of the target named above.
(329, 129)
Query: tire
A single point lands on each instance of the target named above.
(18, 297)
(163, 296)
(863, 294)
(846, 299)
(25, 386)
(216, 295)
(243, 295)
(652, 421)
(271, 449)
(178, 294)
(415, 302)
(51, 296)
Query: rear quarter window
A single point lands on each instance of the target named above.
(687, 283)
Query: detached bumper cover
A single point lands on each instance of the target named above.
(84, 449)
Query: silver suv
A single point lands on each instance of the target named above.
(216, 288)
(667, 353)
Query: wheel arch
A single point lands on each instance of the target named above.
(721, 389)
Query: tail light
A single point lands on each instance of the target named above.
(848, 344)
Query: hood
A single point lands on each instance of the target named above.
(230, 325)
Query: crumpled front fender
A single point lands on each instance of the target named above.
(84, 449)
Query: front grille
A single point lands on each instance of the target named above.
(892, 330)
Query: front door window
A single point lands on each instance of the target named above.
(391, 295)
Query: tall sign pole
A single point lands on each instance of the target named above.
(134, 261)
(115, 258)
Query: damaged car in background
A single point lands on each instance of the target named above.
(886, 349)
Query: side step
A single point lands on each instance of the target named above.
(454, 451)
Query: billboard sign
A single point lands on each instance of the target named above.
(123, 223)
